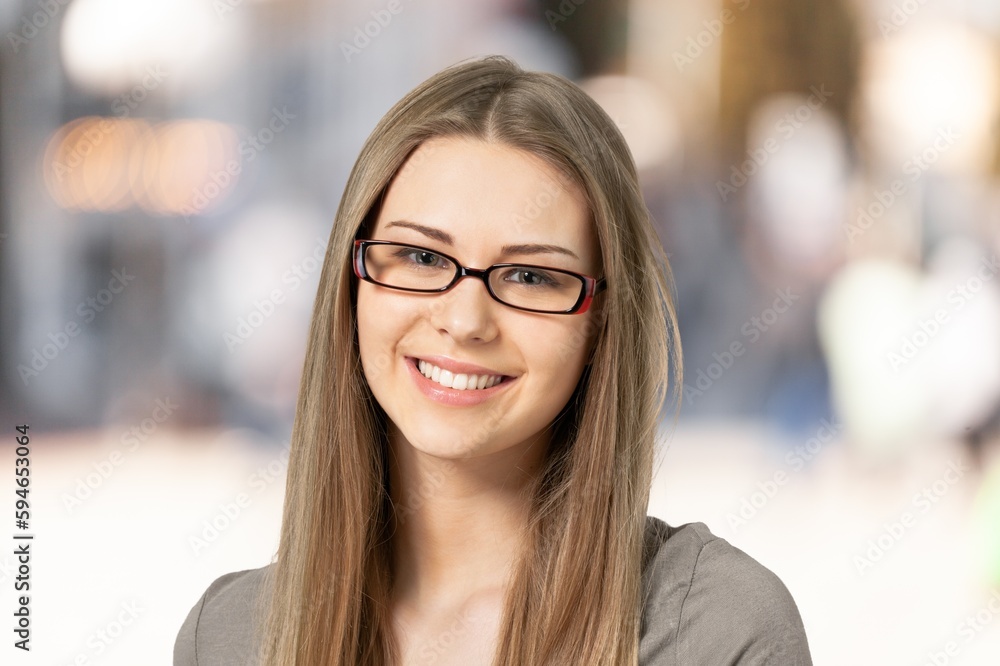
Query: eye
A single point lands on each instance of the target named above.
(530, 277)
(420, 258)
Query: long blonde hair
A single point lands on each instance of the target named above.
(575, 598)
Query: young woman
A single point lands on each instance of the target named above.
(471, 459)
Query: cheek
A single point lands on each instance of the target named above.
(562, 361)
(372, 332)
(385, 320)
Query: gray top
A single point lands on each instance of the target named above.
(707, 602)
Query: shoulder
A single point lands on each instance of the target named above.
(222, 626)
(706, 601)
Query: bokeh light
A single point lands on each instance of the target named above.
(182, 167)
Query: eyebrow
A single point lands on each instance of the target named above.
(506, 250)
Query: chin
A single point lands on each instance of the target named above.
(449, 442)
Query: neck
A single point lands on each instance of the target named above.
(460, 522)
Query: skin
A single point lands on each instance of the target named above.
(460, 473)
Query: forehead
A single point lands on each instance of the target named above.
(488, 194)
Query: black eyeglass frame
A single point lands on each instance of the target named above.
(589, 286)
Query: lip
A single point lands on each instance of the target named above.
(455, 397)
(457, 367)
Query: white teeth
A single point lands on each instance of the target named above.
(460, 382)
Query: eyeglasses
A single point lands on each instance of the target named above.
(521, 286)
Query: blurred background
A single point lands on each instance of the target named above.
(825, 177)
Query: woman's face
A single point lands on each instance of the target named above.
(469, 199)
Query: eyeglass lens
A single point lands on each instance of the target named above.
(529, 287)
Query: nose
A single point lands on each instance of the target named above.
(465, 312)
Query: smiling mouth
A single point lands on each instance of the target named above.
(458, 381)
